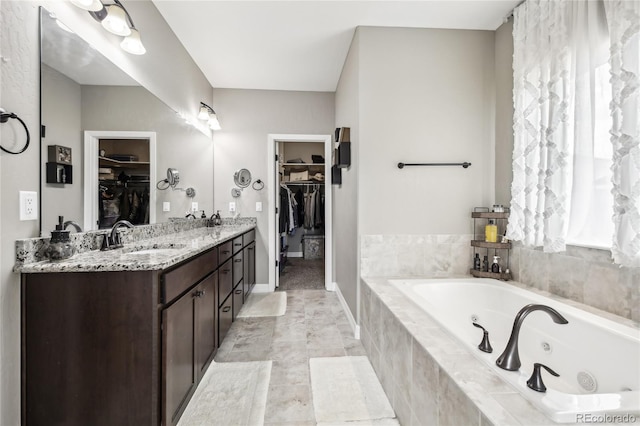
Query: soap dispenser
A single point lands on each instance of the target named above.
(217, 220)
(495, 266)
(60, 246)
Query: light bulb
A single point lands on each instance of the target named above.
(116, 21)
(204, 113)
(214, 124)
(133, 44)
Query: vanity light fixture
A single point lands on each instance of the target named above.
(116, 19)
(90, 5)
(207, 113)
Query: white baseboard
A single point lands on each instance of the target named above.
(355, 327)
(261, 288)
(294, 254)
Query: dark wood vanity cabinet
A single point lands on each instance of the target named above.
(189, 341)
(125, 347)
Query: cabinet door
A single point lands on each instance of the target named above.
(179, 376)
(206, 310)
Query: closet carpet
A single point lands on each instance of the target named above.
(302, 274)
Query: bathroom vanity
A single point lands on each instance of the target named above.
(124, 337)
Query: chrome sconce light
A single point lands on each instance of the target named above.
(115, 19)
(207, 113)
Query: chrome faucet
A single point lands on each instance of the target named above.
(112, 240)
(510, 358)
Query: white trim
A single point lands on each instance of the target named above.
(262, 288)
(90, 182)
(272, 185)
(294, 254)
(352, 322)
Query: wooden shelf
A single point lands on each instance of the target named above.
(484, 244)
(490, 215)
(118, 163)
(498, 276)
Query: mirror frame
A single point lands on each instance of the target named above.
(242, 178)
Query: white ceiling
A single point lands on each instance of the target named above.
(302, 45)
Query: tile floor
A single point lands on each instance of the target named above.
(314, 326)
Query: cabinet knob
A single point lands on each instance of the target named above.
(237, 260)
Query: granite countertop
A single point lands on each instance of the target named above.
(182, 245)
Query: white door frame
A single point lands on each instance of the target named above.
(91, 144)
(274, 186)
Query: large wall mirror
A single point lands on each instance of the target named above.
(106, 138)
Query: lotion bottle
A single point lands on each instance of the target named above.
(491, 232)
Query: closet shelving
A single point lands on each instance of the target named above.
(491, 249)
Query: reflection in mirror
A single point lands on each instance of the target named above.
(242, 178)
(83, 92)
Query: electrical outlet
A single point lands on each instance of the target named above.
(166, 206)
(258, 206)
(232, 207)
(194, 206)
(28, 205)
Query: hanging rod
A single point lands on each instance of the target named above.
(464, 165)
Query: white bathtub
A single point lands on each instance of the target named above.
(587, 347)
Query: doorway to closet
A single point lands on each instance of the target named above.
(300, 223)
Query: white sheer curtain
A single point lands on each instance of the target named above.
(561, 190)
(624, 31)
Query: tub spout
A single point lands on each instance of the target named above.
(510, 358)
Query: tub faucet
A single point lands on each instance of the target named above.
(510, 358)
(112, 240)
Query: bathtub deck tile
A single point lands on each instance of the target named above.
(454, 407)
(519, 410)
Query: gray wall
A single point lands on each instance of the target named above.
(178, 144)
(249, 116)
(425, 96)
(61, 114)
(421, 95)
(19, 85)
(504, 112)
(346, 249)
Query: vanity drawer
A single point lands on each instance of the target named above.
(237, 244)
(225, 280)
(225, 251)
(179, 279)
(248, 237)
(237, 268)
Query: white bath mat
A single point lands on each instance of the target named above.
(346, 389)
(230, 393)
(265, 305)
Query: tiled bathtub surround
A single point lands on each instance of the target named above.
(580, 274)
(30, 250)
(439, 256)
(428, 376)
(583, 275)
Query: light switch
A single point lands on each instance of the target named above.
(166, 206)
(258, 206)
(232, 207)
(194, 206)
